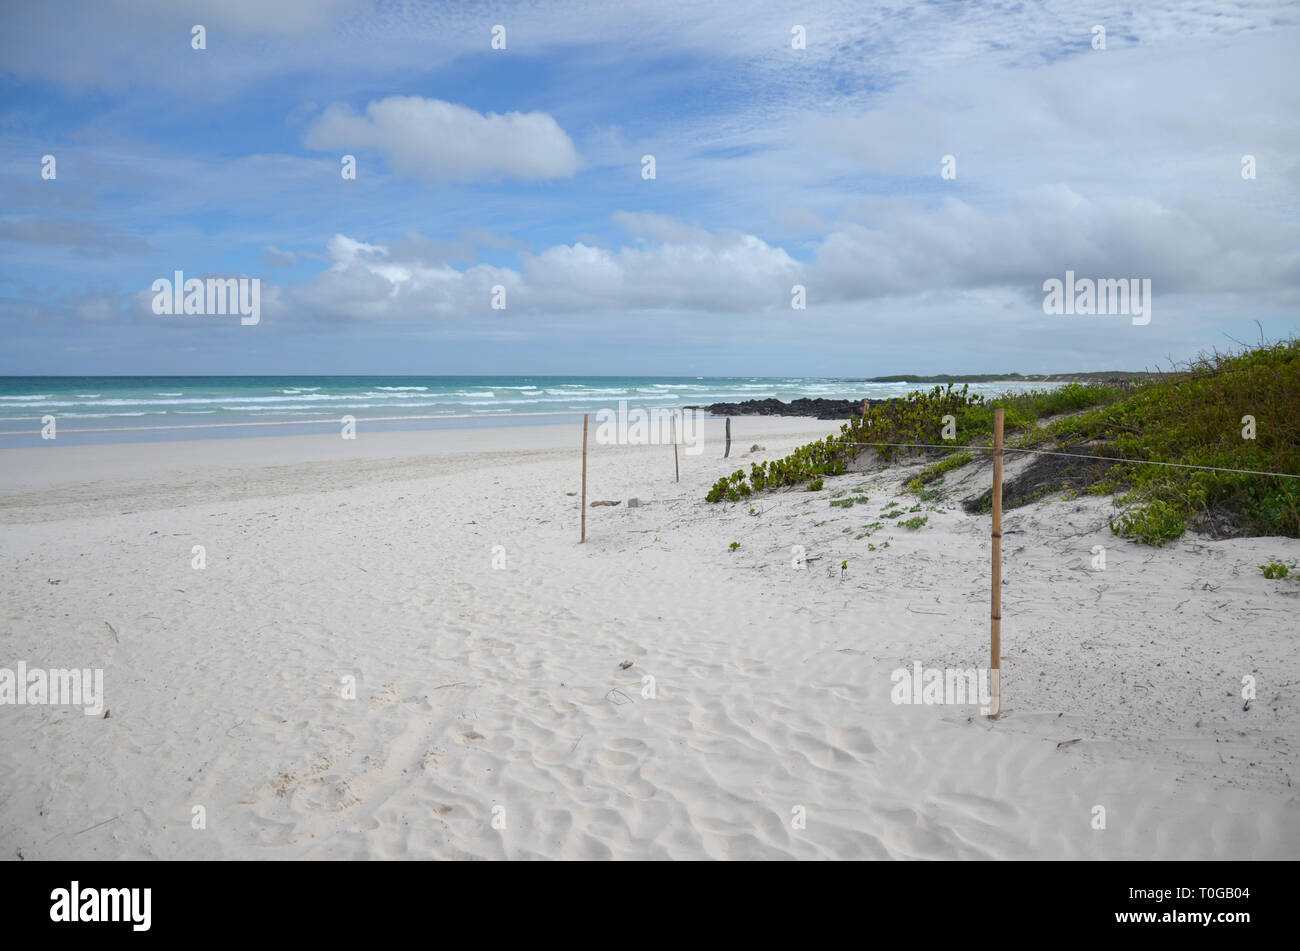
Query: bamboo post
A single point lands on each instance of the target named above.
(727, 453)
(995, 611)
(677, 472)
(584, 477)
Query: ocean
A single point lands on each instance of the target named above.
(132, 409)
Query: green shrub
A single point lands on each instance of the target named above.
(1153, 524)
(1192, 416)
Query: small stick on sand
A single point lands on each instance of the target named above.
(98, 824)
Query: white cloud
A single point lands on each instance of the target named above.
(910, 254)
(430, 138)
(718, 272)
(1205, 246)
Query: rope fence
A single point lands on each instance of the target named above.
(999, 448)
(1079, 455)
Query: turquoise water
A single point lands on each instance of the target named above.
(106, 409)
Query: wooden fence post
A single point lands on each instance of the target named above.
(728, 450)
(584, 477)
(995, 607)
(677, 472)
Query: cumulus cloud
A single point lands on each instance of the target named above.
(713, 271)
(430, 138)
(1187, 247)
(393, 283)
(825, 163)
(907, 253)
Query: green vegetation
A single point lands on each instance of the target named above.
(915, 522)
(918, 419)
(936, 472)
(950, 378)
(734, 545)
(1154, 524)
(1274, 571)
(1222, 411)
(1094, 377)
(849, 502)
(1200, 418)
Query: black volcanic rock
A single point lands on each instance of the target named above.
(819, 408)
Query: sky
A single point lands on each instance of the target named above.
(524, 168)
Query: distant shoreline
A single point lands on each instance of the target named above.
(1096, 376)
(117, 409)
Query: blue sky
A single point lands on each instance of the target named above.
(522, 167)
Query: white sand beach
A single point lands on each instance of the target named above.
(505, 712)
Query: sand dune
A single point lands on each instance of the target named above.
(489, 697)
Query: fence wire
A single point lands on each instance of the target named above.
(1080, 455)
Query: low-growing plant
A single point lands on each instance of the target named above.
(849, 502)
(935, 473)
(1274, 571)
(1195, 416)
(868, 530)
(1155, 523)
(914, 522)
